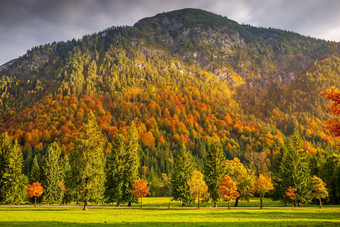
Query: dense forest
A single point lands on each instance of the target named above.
(173, 89)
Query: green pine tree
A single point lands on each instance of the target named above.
(13, 181)
(35, 171)
(183, 169)
(291, 169)
(52, 173)
(214, 169)
(132, 164)
(66, 173)
(116, 167)
(88, 163)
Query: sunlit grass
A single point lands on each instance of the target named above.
(147, 217)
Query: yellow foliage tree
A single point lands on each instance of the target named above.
(228, 189)
(262, 185)
(319, 189)
(198, 187)
(243, 177)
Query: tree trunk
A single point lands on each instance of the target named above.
(294, 203)
(141, 202)
(118, 204)
(85, 204)
(228, 204)
(215, 204)
(35, 201)
(129, 204)
(320, 202)
(261, 205)
(182, 204)
(236, 201)
(169, 203)
(198, 202)
(298, 204)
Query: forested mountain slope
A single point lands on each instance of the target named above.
(187, 75)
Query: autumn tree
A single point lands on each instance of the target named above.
(12, 181)
(291, 193)
(333, 126)
(35, 190)
(318, 189)
(242, 176)
(88, 162)
(141, 189)
(52, 171)
(35, 171)
(228, 190)
(198, 187)
(183, 169)
(214, 169)
(262, 185)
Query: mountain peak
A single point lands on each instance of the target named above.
(185, 17)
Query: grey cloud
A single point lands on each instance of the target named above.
(27, 23)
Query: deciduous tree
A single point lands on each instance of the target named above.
(35, 190)
(262, 185)
(333, 94)
(242, 176)
(319, 190)
(291, 193)
(198, 187)
(228, 189)
(141, 189)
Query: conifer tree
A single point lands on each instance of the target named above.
(52, 172)
(66, 173)
(132, 164)
(5, 147)
(292, 170)
(35, 171)
(116, 167)
(13, 181)
(88, 162)
(183, 169)
(214, 169)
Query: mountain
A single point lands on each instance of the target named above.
(186, 75)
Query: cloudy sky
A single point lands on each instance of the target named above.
(27, 23)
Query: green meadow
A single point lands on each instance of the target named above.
(154, 214)
(172, 217)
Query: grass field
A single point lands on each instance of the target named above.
(153, 216)
(157, 217)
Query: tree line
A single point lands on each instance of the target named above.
(91, 174)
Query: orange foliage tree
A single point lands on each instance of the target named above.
(141, 189)
(333, 94)
(35, 190)
(228, 189)
(291, 193)
(262, 185)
